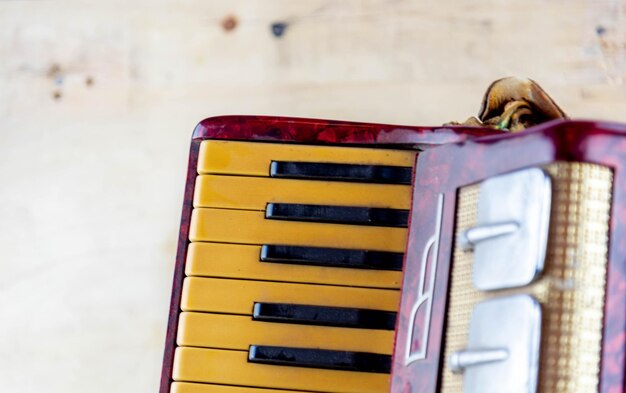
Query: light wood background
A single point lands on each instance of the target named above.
(98, 100)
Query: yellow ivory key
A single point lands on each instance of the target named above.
(239, 332)
(253, 193)
(242, 261)
(230, 367)
(254, 158)
(186, 387)
(238, 296)
(251, 227)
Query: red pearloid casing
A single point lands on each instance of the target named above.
(444, 169)
(288, 130)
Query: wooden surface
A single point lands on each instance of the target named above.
(98, 101)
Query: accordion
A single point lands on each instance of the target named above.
(325, 256)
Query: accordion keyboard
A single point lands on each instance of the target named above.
(293, 268)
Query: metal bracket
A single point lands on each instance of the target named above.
(503, 347)
(511, 235)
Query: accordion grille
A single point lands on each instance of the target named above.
(571, 289)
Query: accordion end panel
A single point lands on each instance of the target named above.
(571, 290)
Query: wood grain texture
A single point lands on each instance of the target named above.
(98, 101)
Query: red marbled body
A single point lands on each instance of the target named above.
(287, 130)
(444, 169)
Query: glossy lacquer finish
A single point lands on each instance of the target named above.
(287, 130)
(439, 174)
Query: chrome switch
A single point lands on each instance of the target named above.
(511, 235)
(503, 347)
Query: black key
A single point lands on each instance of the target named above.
(333, 257)
(338, 214)
(320, 358)
(324, 316)
(385, 174)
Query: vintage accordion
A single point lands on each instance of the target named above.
(324, 256)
